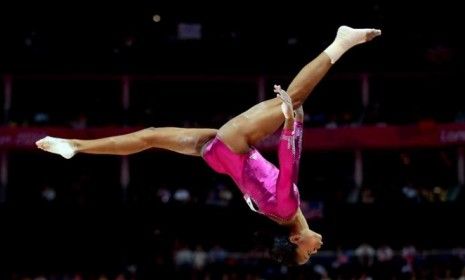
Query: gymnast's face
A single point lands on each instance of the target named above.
(308, 243)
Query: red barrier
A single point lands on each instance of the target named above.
(365, 137)
(377, 137)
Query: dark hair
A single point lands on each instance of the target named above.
(284, 251)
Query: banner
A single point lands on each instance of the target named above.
(379, 137)
(364, 137)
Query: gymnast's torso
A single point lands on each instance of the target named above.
(255, 176)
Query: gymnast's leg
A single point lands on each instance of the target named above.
(188, 141)
(265, 118)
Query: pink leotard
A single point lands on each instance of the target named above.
(273, 190)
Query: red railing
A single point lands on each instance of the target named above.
(364, 137)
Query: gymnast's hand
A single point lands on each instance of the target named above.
(286, 106)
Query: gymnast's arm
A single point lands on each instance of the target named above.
(298, 135)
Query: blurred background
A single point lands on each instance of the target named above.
(382, 169)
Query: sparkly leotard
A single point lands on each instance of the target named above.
(273, 190)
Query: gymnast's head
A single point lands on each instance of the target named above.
(295, 248)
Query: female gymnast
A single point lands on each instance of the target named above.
(231, 149)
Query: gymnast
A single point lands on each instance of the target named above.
(267, 189)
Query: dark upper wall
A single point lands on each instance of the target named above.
(89, 37)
